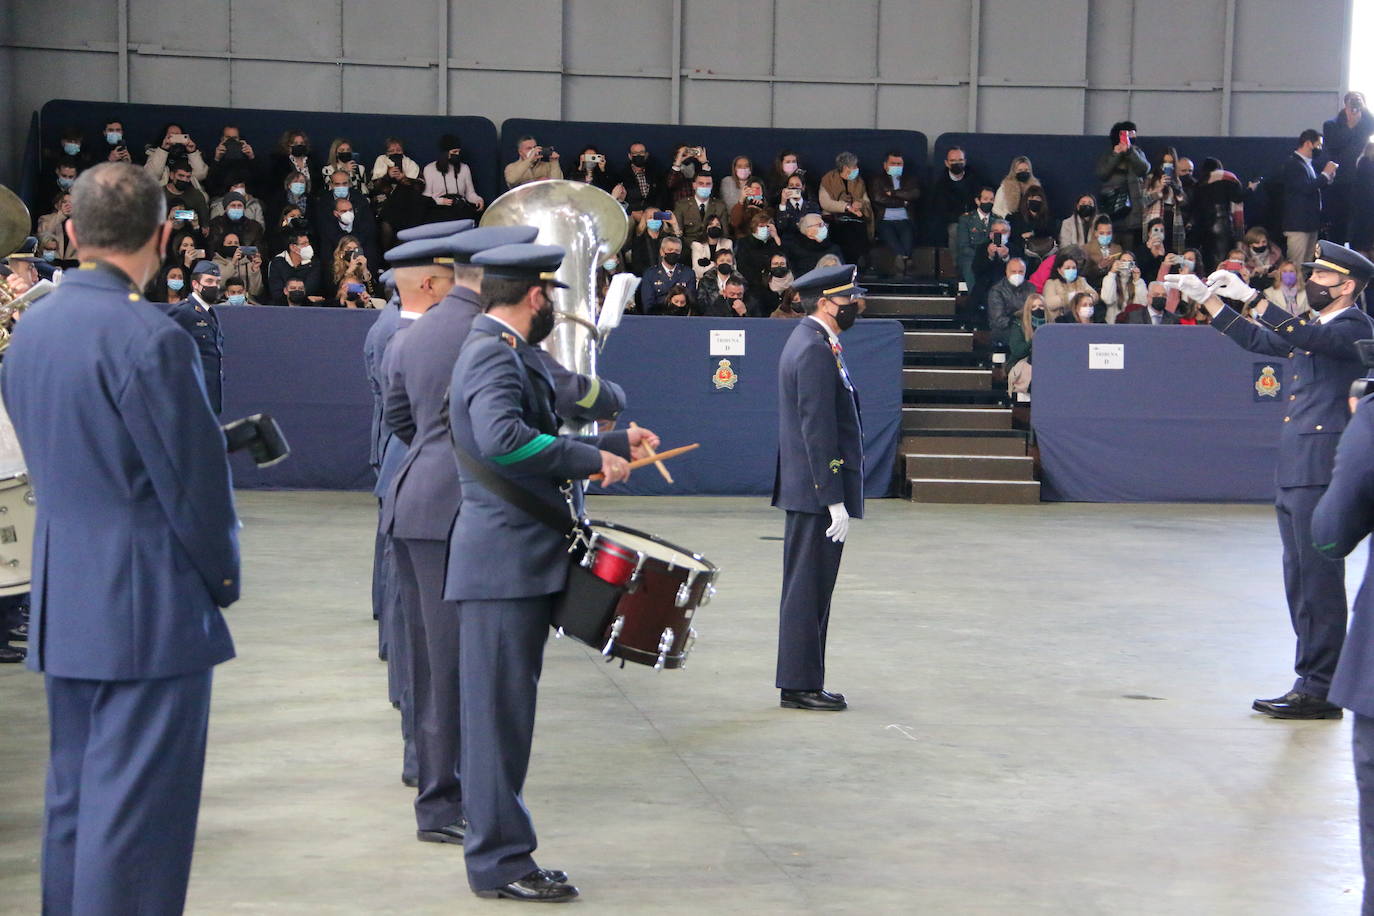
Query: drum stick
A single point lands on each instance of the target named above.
(661, 456)
(662, 468)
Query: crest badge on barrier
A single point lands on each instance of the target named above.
(1268, 381)
(724, 376)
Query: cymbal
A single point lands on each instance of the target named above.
(14, 221)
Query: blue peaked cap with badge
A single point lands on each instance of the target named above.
(458, 248)
(839, 280)
(522, 261)
(435, 230)
(1342, 260)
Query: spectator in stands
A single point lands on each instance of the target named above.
(295, 194)
(1122, 170)
(296, 293)
(1005, 299)
(290, 222)
(395, 157)
(170, 285)
(1361, 228)
(766, 290)
(953, 193)
(115, 147)
(70, 146)
(757, 248)
(233, 262)
(894, 193)
(1261, 256)
(1165, 200)
(54, 224)
(811, 243)
(252, 206)
(644, 187)
(61, 181)
(1287, 291)
(349, 264)
(175, 147)
(342, 221)
(532, 163)
(678, 303)
(235, 219)
(653, 228)
(1155, 311)
(179, 187)
(234, 161)
(1346, 136)
(363, 223)
(1086, 308)
(1034, 227)
(236, 293)
(750, 204)
(703, 257)
(343, 159)
(710, 282)
(663, 276)
(688, 162)
(990, 265)
(351, 294)
(1019, 179)
(973, 234)
(1065, 281)
(1303, 184)
(844, 199)
(1152, 253)
(184, 249)
(732, 185)
(789, 304)
(610, 269)
(292, 157)
(398, 200)
(1123, 286)
(1218, 194)
(591, 169)
(693, 213)
(784, 167)
(793, 204)
(297, 262)
(448, 180)
(730, 302)
(1035, 314)
(1101, 251)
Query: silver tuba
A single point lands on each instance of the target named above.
(590, 226)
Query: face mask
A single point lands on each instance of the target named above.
(1186, 264)
(1157, 303)
(1037, 318)
(846, 316)
(340, 191)
(345, 156)
(346, 219)
(895, 171)
(639, 160)
(297, 188)
(227, 251)
(175, 285)
(49, 255)
(236, 299)
(209, 294)
(307, 252)
(851, 174)
(788, 168)
(714, 232)
(956, 169)
(1259, 249)
(703, 193)
(71, 149)
(778, 272)
(1104, 240)
(654, 224)
(64, 183)
(113, 137)
(742, 174)
(296, 297)
(1023, 177)
(1318, 296)
(1085, 311)
(298, 150)
(234, 213)
(1316, 151)
(542, 325)
(725, 268)
(1034, 205)
(1070, 274)
(1016, 279)
(822, 233)
(985, 207)
(1086, 211)
(671, 258)
(1289, 278)
(761, 233)
(609, 266)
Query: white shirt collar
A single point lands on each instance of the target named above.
(1326, 319)
(834, 338)
(507, 324)
(410, 316)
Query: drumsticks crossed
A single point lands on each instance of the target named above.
(657, 459)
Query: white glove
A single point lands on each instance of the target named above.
(1189, 286)
(1230, 286)
(839, 523)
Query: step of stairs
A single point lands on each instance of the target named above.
(896, 306)
(921, 465)
(964, 442)
(947, 379)
(949, 418)
(987, 492)
(938, 341)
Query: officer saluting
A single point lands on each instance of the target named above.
(196, 314)
(137, 553)
(819, 479)
(1325, 360)
(505, 568)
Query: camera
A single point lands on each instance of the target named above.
(396, 159)
(248, 250)
(298, 224)
(353, 255)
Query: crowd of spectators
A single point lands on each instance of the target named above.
(293, 221)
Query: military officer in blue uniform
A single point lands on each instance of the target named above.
(1324, 361)
(505, 568)
(135, 553)
(196, 314)
(818, 481)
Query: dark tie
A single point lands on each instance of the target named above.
(703, 212)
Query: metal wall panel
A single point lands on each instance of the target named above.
(501, 33)
(727, 102)
(70, 23)
(1047, 40)
(499, 95)
(1178, 41)
(393, 30)
(819, 38)
(180, 80)
(192, 25)
(923, 40)
(930, 109)
(726, 36)
(1031, 111)
(390, 90)
(303, 31)
(1271, 39)
(619, 36)
(601, 98)
(822, 105)
(1176, 113)
(1269, 114)
(303, 87)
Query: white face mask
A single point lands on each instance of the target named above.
(307, 252)
(346, 219)
(1085, 311)
(1016, 279)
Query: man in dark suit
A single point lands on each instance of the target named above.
(196, 314)
(644, 189)
(137, 552)
(1324, 361)
(505, 567)
(1155, 313)
(819, 479)
(1302, 195)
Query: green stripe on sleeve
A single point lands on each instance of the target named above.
(592, 393)
(528, 450)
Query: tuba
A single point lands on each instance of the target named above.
(589, 225)
(14, 228)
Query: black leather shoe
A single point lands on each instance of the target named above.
(11, 654)
(1294, 705)
(813, 699)
(20, 633)
(410, 782)
(538, 886)
(453, 833)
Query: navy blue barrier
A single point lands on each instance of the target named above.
(1181, 420)
(304, 366)
(1067, 165)
(143, 124)
(816, 148)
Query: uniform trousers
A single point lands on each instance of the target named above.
(393, 627)
(1363, 746)
(810, 563)
(503, 654)
(432, 629)
(123, 793)
(1315, 586)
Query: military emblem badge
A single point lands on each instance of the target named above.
(1267, 382)
(724, 376)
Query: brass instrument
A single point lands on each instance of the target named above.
(590, 226)
(14, 228)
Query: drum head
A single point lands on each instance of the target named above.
(652, 546)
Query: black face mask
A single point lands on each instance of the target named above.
(671, 258)
(714, 232)
(1034, 205)
(778, 272)
(298, 150)
(1316, 151)
(181, 185)
(227, 251)
(1157, 303)
(396, 159)
(956, 169)
(346, 157)
(1086, 211)
(986, 208)
(542, 324)
(1318, 296)
(209, 294)
(847, 314)
(639, 160)
(296, 297)
(1023, 177)
(726, 269)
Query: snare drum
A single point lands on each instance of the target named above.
(17, 519)
(665, 584)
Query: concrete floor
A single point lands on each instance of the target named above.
(1049, 714)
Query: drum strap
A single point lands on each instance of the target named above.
(515, 494)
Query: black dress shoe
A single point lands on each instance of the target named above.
(453, 833)
(813, 699)
(538, 886)
(1294, 705)
(11, 654)
(20, 633)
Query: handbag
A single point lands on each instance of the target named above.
(1116, 201)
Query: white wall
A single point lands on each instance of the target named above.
(1242, 67)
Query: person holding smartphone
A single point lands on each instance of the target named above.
(1122, 170)
(174, 145)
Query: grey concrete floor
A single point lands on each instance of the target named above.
(1049, 714)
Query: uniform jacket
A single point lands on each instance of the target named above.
(692, 223)
(1302, 195)
(374, 345)
(1323, 362)
(1341, 520)
(501, 411)
(820, 435)
(136, 544)
(653, 292)
(202, 324)
(972, 234)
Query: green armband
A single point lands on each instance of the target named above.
(528, 450)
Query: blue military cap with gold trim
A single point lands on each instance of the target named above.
(840, 280)
(1342, 260)
(470, 244)
(435, 230)
(522, 261)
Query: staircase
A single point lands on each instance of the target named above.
(961, 441)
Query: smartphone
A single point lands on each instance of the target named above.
(198, 253)
(1124, 137)
(186, 215)
(663, 215)
(355, 253)
(180, 138)
(356, 288)
(248, 250)
(396, 159)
